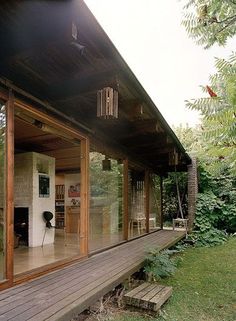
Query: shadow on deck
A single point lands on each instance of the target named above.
(62, 294)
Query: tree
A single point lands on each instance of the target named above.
(210, 21)
(219, 115)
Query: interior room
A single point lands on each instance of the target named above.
(46, 194)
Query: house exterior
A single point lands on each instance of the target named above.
(83, 148)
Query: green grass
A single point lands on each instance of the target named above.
(204, 287)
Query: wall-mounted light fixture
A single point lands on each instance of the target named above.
(107, 103)
(74, 42)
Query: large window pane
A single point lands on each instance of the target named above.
(106, 201)
(137, 218)
(155, 203)
(2, 189)
(47, 180)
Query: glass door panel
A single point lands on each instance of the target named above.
(137, 217)
(106, 201)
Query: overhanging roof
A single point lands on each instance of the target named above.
(38, 56)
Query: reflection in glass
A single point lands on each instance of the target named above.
(155, 203)
(2, 189)
(137, 219)
(106, 201)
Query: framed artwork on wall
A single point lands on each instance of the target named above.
(44, 185)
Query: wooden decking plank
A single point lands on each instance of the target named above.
(153, 292)
(53, 275)
(53, 281)
(36, 306)
(73, 306)
(141, 293)
(40, 286)
(136, 290)
(86, 298)
(135, 299)
(94, 274)
(53, 289)
(151, 296)
(161, 298)
(62, 290)
(132, 259)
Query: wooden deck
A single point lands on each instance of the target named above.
(62, 294)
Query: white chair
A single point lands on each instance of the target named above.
(138, 220)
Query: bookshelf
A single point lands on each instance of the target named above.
(60, 206)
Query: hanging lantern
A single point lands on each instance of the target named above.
(106, 164)
(107, 103)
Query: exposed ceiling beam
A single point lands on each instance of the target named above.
(153, 150)
(84, 84)
(145, 140)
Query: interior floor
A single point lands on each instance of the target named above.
(26, 258)
(100, 241)
(66, 245)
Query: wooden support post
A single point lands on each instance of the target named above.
(84, 205)
(126, 199)
(147, 198)
(161, 201)
(9, 205)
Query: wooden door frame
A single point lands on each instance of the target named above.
(11, 103)
(9, 201)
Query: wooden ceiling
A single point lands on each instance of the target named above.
(29, 138)
(39, 56)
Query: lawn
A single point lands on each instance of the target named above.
(204, 287)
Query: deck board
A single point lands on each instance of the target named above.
(66, 292)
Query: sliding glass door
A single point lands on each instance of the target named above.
(106, 201)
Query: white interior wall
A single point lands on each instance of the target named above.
(27, 194)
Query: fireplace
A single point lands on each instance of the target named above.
(21, 224)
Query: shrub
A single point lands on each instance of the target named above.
(216, 203)
(209, 237)
(160, 264)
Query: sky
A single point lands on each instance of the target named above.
(169, 65)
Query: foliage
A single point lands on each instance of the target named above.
(104, 183)
(170, 201)
(209, 237)
(210, 21)
(191, 138)
(219, 117)
(216, 202)
(160, 264)
(204, 287)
